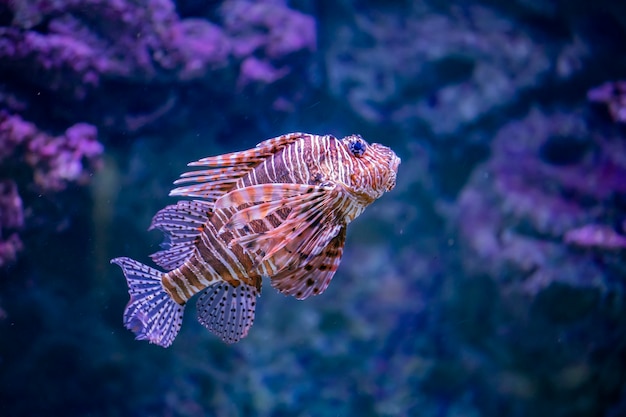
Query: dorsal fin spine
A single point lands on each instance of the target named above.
(226, 170)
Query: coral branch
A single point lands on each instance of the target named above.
(54, 161)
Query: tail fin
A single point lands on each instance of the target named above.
(151, 313)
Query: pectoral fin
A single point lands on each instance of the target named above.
(312, 277)
(313, 220)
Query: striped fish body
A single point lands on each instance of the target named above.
(279, 210)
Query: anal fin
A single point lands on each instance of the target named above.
(228, 311)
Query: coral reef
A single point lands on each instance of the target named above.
(50, 163)
(443, 75)
(11, 219)
(598, 236)
(100, 58)
(543, 219)
(613, 96)
(55, 161)
(490, 282)
(551, 180)
(264, 36)
(449, 73)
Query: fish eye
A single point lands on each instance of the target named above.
(357, 145)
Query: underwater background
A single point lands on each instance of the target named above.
(490, 282)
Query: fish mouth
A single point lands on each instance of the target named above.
(389, 174)
(390, 155)
(395, 163)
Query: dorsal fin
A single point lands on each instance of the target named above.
(181, 223)
(223, 171)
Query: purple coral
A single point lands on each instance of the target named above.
(54, 161)
(92, 40)
(432, 67)
(596, 236)
(613, 96)
(84, 48)
(11, 220)
(548, 179)
(59, 160)
(263, 34)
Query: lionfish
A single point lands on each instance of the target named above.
(278, 210)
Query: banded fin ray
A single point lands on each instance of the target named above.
(226, 311)
(312, 221)
(257, 212)
(181, 223)
(224, 171)
(304, 248)
(151, 313)
(312, 278)
(295, 236)
(271, 198)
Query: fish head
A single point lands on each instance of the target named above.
(370, 169)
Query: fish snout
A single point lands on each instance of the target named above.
(393, 172)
